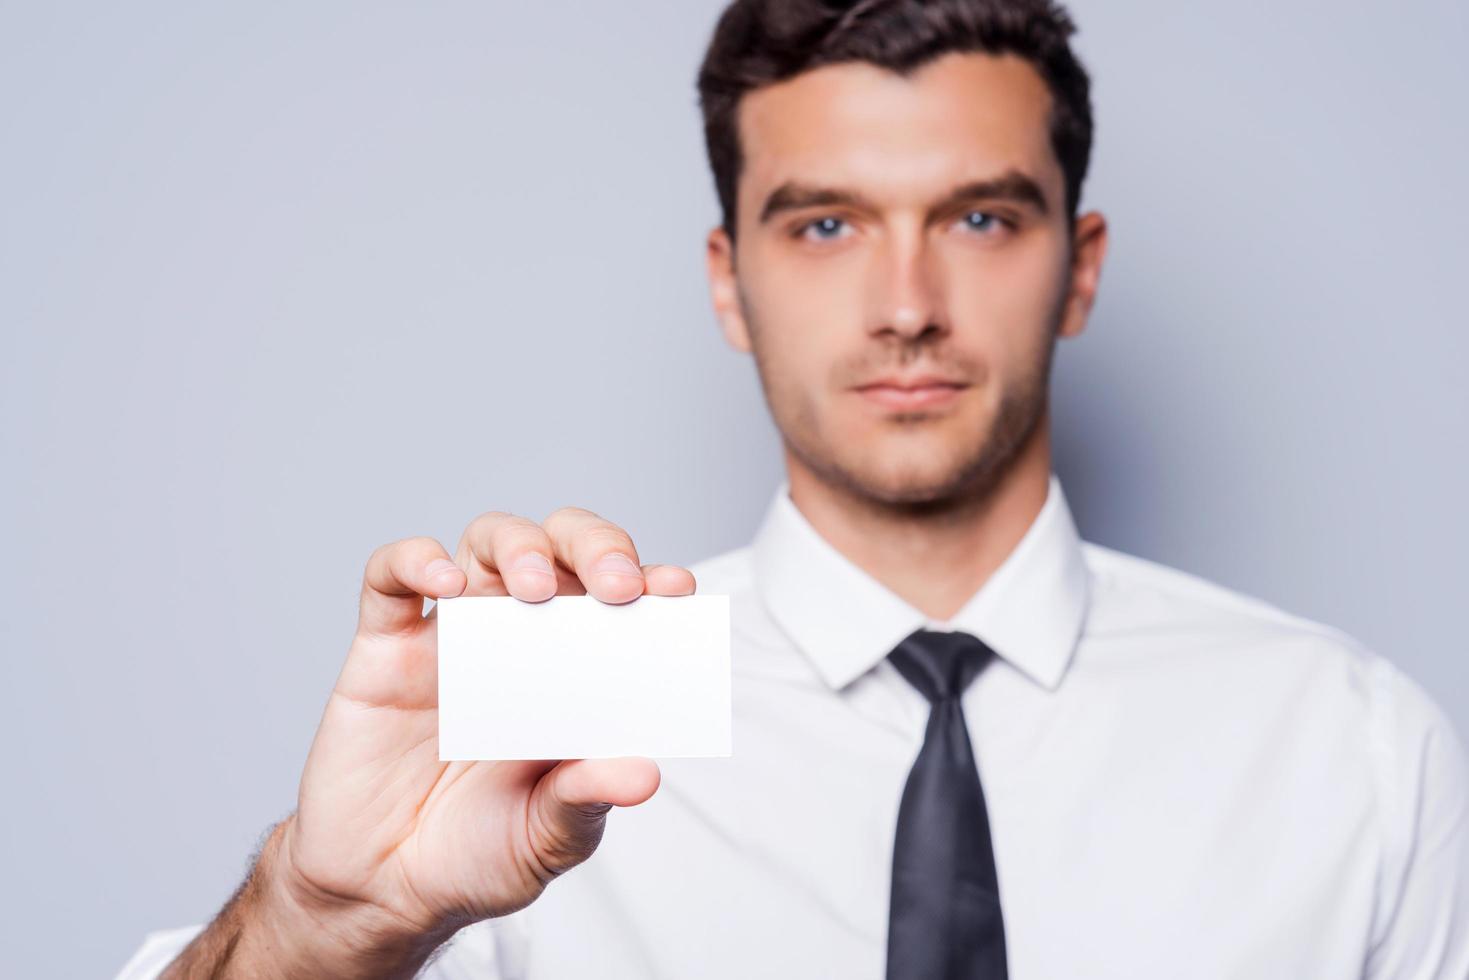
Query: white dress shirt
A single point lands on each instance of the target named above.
(1182, 783)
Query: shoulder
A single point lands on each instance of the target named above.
(1316, 672)
(1263, 657)
(1309, 694)
(1139, 606)
(1132, 593)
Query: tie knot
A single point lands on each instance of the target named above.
(940, 665)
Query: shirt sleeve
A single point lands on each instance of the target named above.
(490, 950)
(1422, 922)
(158, 950)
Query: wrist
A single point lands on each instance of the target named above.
(305, 932)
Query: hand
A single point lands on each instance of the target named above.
(421, 846)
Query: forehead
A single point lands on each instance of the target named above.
(961, 116)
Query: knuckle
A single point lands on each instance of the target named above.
(563, 514)
(488, 529)
(514, 525)
(380, 553)
(482, 526)
(489, 518)
(384, 555)
(521, 537)
(607, 537)
(559, 849)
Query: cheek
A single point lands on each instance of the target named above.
(803, 315)
(1004, 308)
(824, 291)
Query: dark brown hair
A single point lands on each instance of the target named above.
(761, 42)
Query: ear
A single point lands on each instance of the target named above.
(724, 290)
(1088, 247)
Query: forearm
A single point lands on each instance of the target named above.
(269, 931)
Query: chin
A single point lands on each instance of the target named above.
(908, 482)
(923, 463)
(914, 490)
(923, 472)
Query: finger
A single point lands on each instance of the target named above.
(567, 583)
(624, 781)
(669, 580)
(508, 555)
(598, 551)
(398, 578)
(569, 805)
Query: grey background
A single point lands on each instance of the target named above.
(280, 283)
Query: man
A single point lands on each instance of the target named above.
(966, 743)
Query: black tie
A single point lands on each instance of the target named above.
(944, 921)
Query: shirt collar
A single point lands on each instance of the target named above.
(1030, 611)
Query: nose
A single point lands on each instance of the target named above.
(906, 290)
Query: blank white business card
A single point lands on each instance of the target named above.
(576, 678)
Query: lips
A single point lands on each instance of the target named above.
(912, 391)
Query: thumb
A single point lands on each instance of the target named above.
(569, 806)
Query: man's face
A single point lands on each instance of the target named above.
(868, 262)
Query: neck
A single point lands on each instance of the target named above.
(934, 558)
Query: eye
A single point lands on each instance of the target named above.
(982, 221)
(826, 229)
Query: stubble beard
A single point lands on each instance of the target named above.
(976, 471)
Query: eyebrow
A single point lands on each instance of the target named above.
(1012, 185)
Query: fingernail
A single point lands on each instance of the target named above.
(532, 561)
(531, 577)
(616, 564)
(438, 571)
(439, 566)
